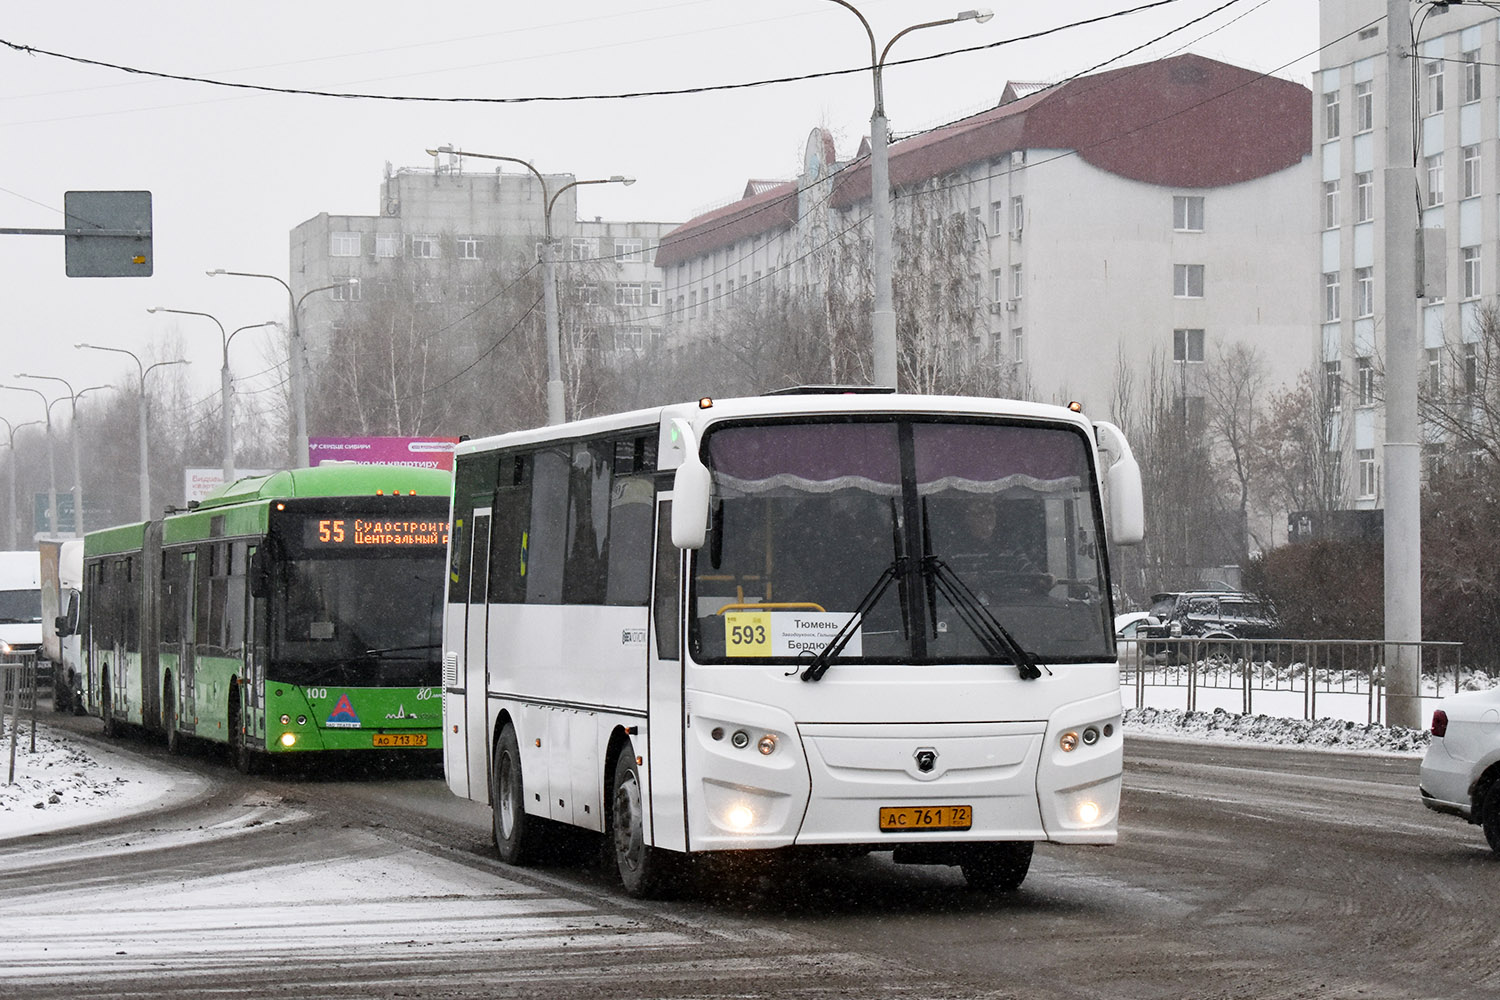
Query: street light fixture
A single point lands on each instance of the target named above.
(297, 361)
(556, 412)
(883, 317)
(10, 519)
(74, 397)
(145, 476)
(226, 386)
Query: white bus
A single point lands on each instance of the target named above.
(808, 620)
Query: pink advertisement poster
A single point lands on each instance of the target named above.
(420, 453)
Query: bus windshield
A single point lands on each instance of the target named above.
(20, 607)
(359, 621)
(969, 520)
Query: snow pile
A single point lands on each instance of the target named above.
(66, 781)
(1331, 734)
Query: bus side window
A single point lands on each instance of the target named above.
(632, 518)
(668, 586)
(549, 510)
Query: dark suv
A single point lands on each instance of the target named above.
(1208, 614)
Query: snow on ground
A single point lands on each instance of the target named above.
(70, 781)
(1226, 727)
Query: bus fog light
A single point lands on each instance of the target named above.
(740, 739)
(767, 744)
(287, 739)
(1088, 812)
(286, 720)
(1069, 741)
(740, 817)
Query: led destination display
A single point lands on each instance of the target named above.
(372, 532)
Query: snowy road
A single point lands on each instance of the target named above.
(1241, 872)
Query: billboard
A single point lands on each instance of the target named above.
(416, 452)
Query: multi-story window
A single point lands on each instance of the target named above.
(1187, 281)
(1330, 296)
(1473, 283)
(1017, 215)
(343, 245)
(387, 244)
(629, 250)
(586, 293)
(1434, 101)
(1330, 204)
(581, 248)
(1364, 107)
(1187, 213)
(1471, 76)
(655, 293)
(1017, 347)
(997, 284)
(1187, 346)
(997, 218)
(1331, 115)
(1365, 459)
(1364, 196)
(1190, 411)
(347, 292)
(1471, 370)
(1434, 179)
(1017, 281)
(1435, 371)
(1471, 171)
(1364, 291)
(468, 248)
(630, 338)
(424, 247)
(692, 303)
(1364, 370)
(1333, 383)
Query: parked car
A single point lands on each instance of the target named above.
(1208, 615)
(1460, 772)
(1127, 626)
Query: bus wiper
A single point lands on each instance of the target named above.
(991, 634)
(823, 658)
(402, 649)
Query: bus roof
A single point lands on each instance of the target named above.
(819, 401)
(338, 479)
(121, 538)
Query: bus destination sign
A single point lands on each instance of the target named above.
(372, 533)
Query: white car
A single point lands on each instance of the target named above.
(1461, 770)
(1125, 637)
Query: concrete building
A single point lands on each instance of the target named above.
(1454, 147)
(442, 231)
(1164, 210)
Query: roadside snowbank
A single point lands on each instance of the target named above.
(71, 781)
(1329, 734)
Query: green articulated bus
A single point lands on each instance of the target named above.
(295, 612)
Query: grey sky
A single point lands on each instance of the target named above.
(232, 171)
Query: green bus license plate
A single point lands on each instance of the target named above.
(401, 739)
(901, 819)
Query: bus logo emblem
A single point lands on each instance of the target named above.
(342, 716)
(926, 759)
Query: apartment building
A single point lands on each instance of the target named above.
(1163, 211)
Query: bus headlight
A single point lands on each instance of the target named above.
(739, 817)
(767, 744)
(286, 720)
(288, 739)
(1069, 741)
(1088, 812)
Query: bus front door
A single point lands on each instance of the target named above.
(476, 679)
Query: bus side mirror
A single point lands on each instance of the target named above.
(690, 489)
(60, 623)
(1127, 504)
(260, 574)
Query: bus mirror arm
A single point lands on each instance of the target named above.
(260, 574)
(1127, 515)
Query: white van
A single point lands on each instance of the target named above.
(21, 600)
(62, 588)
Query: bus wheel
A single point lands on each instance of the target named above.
(646, 872)
(999, 867)
(517, 835)
(107, 711)
(169, 717)
(246, 760)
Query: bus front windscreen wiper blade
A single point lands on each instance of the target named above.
(991, 634)
(823, 658)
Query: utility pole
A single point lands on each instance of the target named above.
(1403, 449)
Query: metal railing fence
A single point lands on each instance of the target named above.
(1307, 668)
(17, 695)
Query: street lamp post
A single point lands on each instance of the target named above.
(297, 362)
(51, 456)
(556, 412)
(883, 317)
(74, 397)
(226, 386)
(10, 520)
(144, 369)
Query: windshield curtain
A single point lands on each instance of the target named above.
(808, 516)
(359, 620)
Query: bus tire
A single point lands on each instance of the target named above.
(997, 867)
(246, 760)
(518, 836)
(169, 717)
(645, 872)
